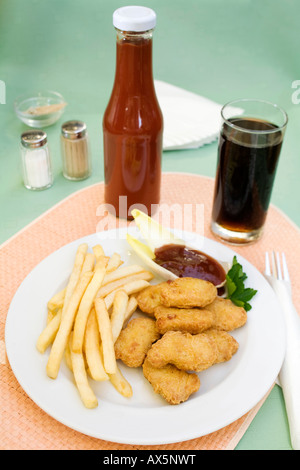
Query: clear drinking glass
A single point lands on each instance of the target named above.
(250, 142)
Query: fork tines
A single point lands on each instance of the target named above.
(278, 267)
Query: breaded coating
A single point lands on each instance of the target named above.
(187, 292)
(228, 316)
(189, 320)
(227, 346)
(183, 350)
(149, 298)
(174, 385)
(184, 292)
(135, 340)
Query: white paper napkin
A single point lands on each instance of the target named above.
(190, 120)
(289, 376)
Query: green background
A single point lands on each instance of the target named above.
(220, 49)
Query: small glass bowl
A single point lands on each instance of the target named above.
(30, 101)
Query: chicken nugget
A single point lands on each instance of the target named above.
(183, 350)
(135, 340)
(228, 316)
(190, 320)
(174, 385)
(187, 292)
(227, 346)
(148, 299)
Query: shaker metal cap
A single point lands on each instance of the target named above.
(33, 138)
(73, 129)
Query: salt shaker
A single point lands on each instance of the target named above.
(75, 150)
(36, 160)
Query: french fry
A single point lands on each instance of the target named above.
(57, 300)
(131, 308)
(98, 251)
(118, 313)
(86, 393)
(88, 264)
(102, 261)
(114, 262)
(86, 305)
(104, 325)
(48, 334)
(68, 357)
(75, 274)
(50, 315)
(130, 288)
(120, 383)
(67, 320)
(122, 272)
(92, 349)
(100, 255)
(105, 290)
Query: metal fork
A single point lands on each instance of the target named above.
(278, 269)
(276, 272)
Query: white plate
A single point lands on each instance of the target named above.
(227, 391)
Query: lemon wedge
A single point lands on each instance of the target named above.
(153, 233)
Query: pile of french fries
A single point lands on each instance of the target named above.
(85, 319)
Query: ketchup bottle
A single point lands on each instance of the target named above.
(133, 122)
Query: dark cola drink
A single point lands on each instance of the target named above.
(247, 161)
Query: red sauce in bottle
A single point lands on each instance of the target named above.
(132, 129)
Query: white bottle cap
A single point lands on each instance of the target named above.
(134, 18)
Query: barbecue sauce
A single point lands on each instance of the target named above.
(186, 262)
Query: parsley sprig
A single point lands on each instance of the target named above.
(236, 290)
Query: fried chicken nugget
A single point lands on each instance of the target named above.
(174, 385)
(227, 346)
(183, 350)
(228, 316)
(189, 320)
(135, 340)
(187, 292)
(148, 299)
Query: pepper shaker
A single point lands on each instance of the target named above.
(75, 150)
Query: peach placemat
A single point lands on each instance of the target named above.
(24, 426)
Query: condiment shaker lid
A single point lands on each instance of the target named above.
(134, 18)
(34, 138)
(73, 129)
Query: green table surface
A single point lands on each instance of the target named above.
(222, 50)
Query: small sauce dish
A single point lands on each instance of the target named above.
(170, 257)
(41, 109)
